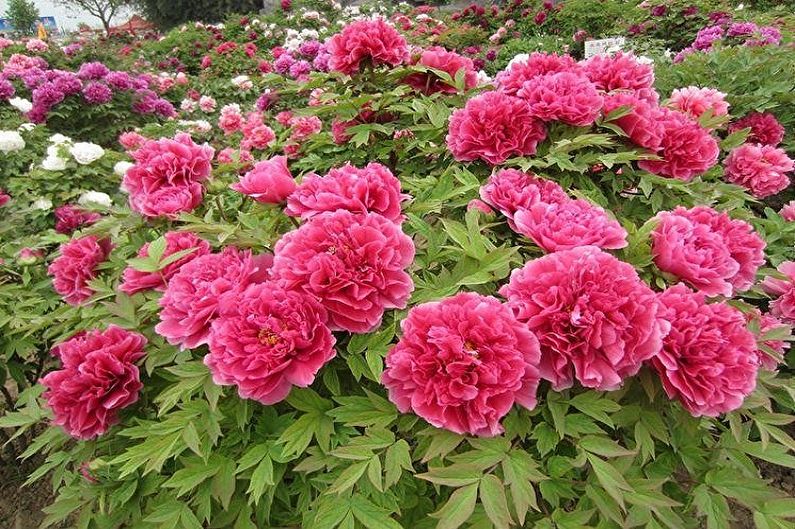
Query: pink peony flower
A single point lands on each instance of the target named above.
(536, 64)
(768, 323)
(478, 205)
(765, 128)
(568, 224)
(462, 363)
(449, 62)
(98, 379)
(761, 169)
(695, 101)
(184, 242)
(687, 149)
(69, 218)
(594, 317)
(621, 71)
(207, 104)
(372, 189)
(788, 211)
(354, 264)
(164, 180)
(269, 182)
(642, 124)
(371, 42)
(76, 266)
(784, 289)
(5, 198)
(493, 127)
(708, 360)
(707, 249)
(510, 190)
(267, 340)
(195, 293)
(564, 96)
(131, 140)
(305, 126)
(231, 120)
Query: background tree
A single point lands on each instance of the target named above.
(169, 13)
(104, 10)
(23, 16)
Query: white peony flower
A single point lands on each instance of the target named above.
(642, 59)
(11, 140)
(95, 197)
(483, 78)
(23, 105)
(53, 163)
(27, 127)
(121, 167)
(518, 58)
(43, 204)
(58, 139)
(85, 153)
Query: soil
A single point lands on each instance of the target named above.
(21, 507)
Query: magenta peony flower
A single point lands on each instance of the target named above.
(76, 266)
(594, 317)
(354, 264)
(510, 190)
(371, 42)
(695, 101)
(269, 182)
(565, 96)
(69, 218)
(447, 61)
(92, 71)
(134, 280)
(267, 340)
(767, 323)
(687, 149)
(784, 289)
(165, 179)
(536, 64)
(98, 379)
(372, 189)
(5, 198)
(787, 211)
(493, 127)
(96, 93)
(642, 124)
(765, 128)
(305, 126)
(568, 224)
(708, 360)
(707, 249)
(761, 169)
(195, 293)
(621, 71)
(462, 363)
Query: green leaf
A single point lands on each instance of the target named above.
(603, 446)
(398, 458)
(186, 479)
(348, 477)
(453, 475)
(458, 509)
(610, 478)
(370, 515)
(492, 496)
(330, 512)
(261, 477)
(592, 404)
(712, 506)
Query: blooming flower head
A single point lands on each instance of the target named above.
(765, 128)
(76, 266)
(267, 340)
(69, 218)
(462, 363)
(373, 42)
(355, 264)
(761, 169)
(523, 69)
(269, 182)
(568, 224)
(695, 101)
(597, 322)
(706, 248)
(493, 127)
(447, 61)
(565, 96)
(620, 71)
(510, 191)
(304, 126)
(11, 140)
(96, 93)
(787, 211)
(371, 189)
(784, 290)
(687, 149)
(98, 379)
(195, 293)
(642, 124)
(766, 324)
(709, 358)
(134, 280)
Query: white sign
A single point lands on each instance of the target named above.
(603, 46)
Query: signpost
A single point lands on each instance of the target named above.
(50, 24)
(603, 46)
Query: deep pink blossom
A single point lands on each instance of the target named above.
(708, 249)
(695, 101)
(597, 322)
(784, 291)
(269, 182)
(621, 71)
(267, 340)
(134, 280)
(510, 190)
(765, 128)
(708, 360)
(447, 61)
(69, 218)
(761, 169)
(642, 124)
(766, 324)
(372, 42)
(537, 63)
(564, 96)
(355, 264)
(97, 380)
(76, 266)
(462, 363)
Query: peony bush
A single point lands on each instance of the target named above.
(386, 290)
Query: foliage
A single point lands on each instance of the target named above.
(170, 13)
(23, 16)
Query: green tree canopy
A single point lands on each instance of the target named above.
(23, 16)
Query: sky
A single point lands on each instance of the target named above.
(66, 18)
